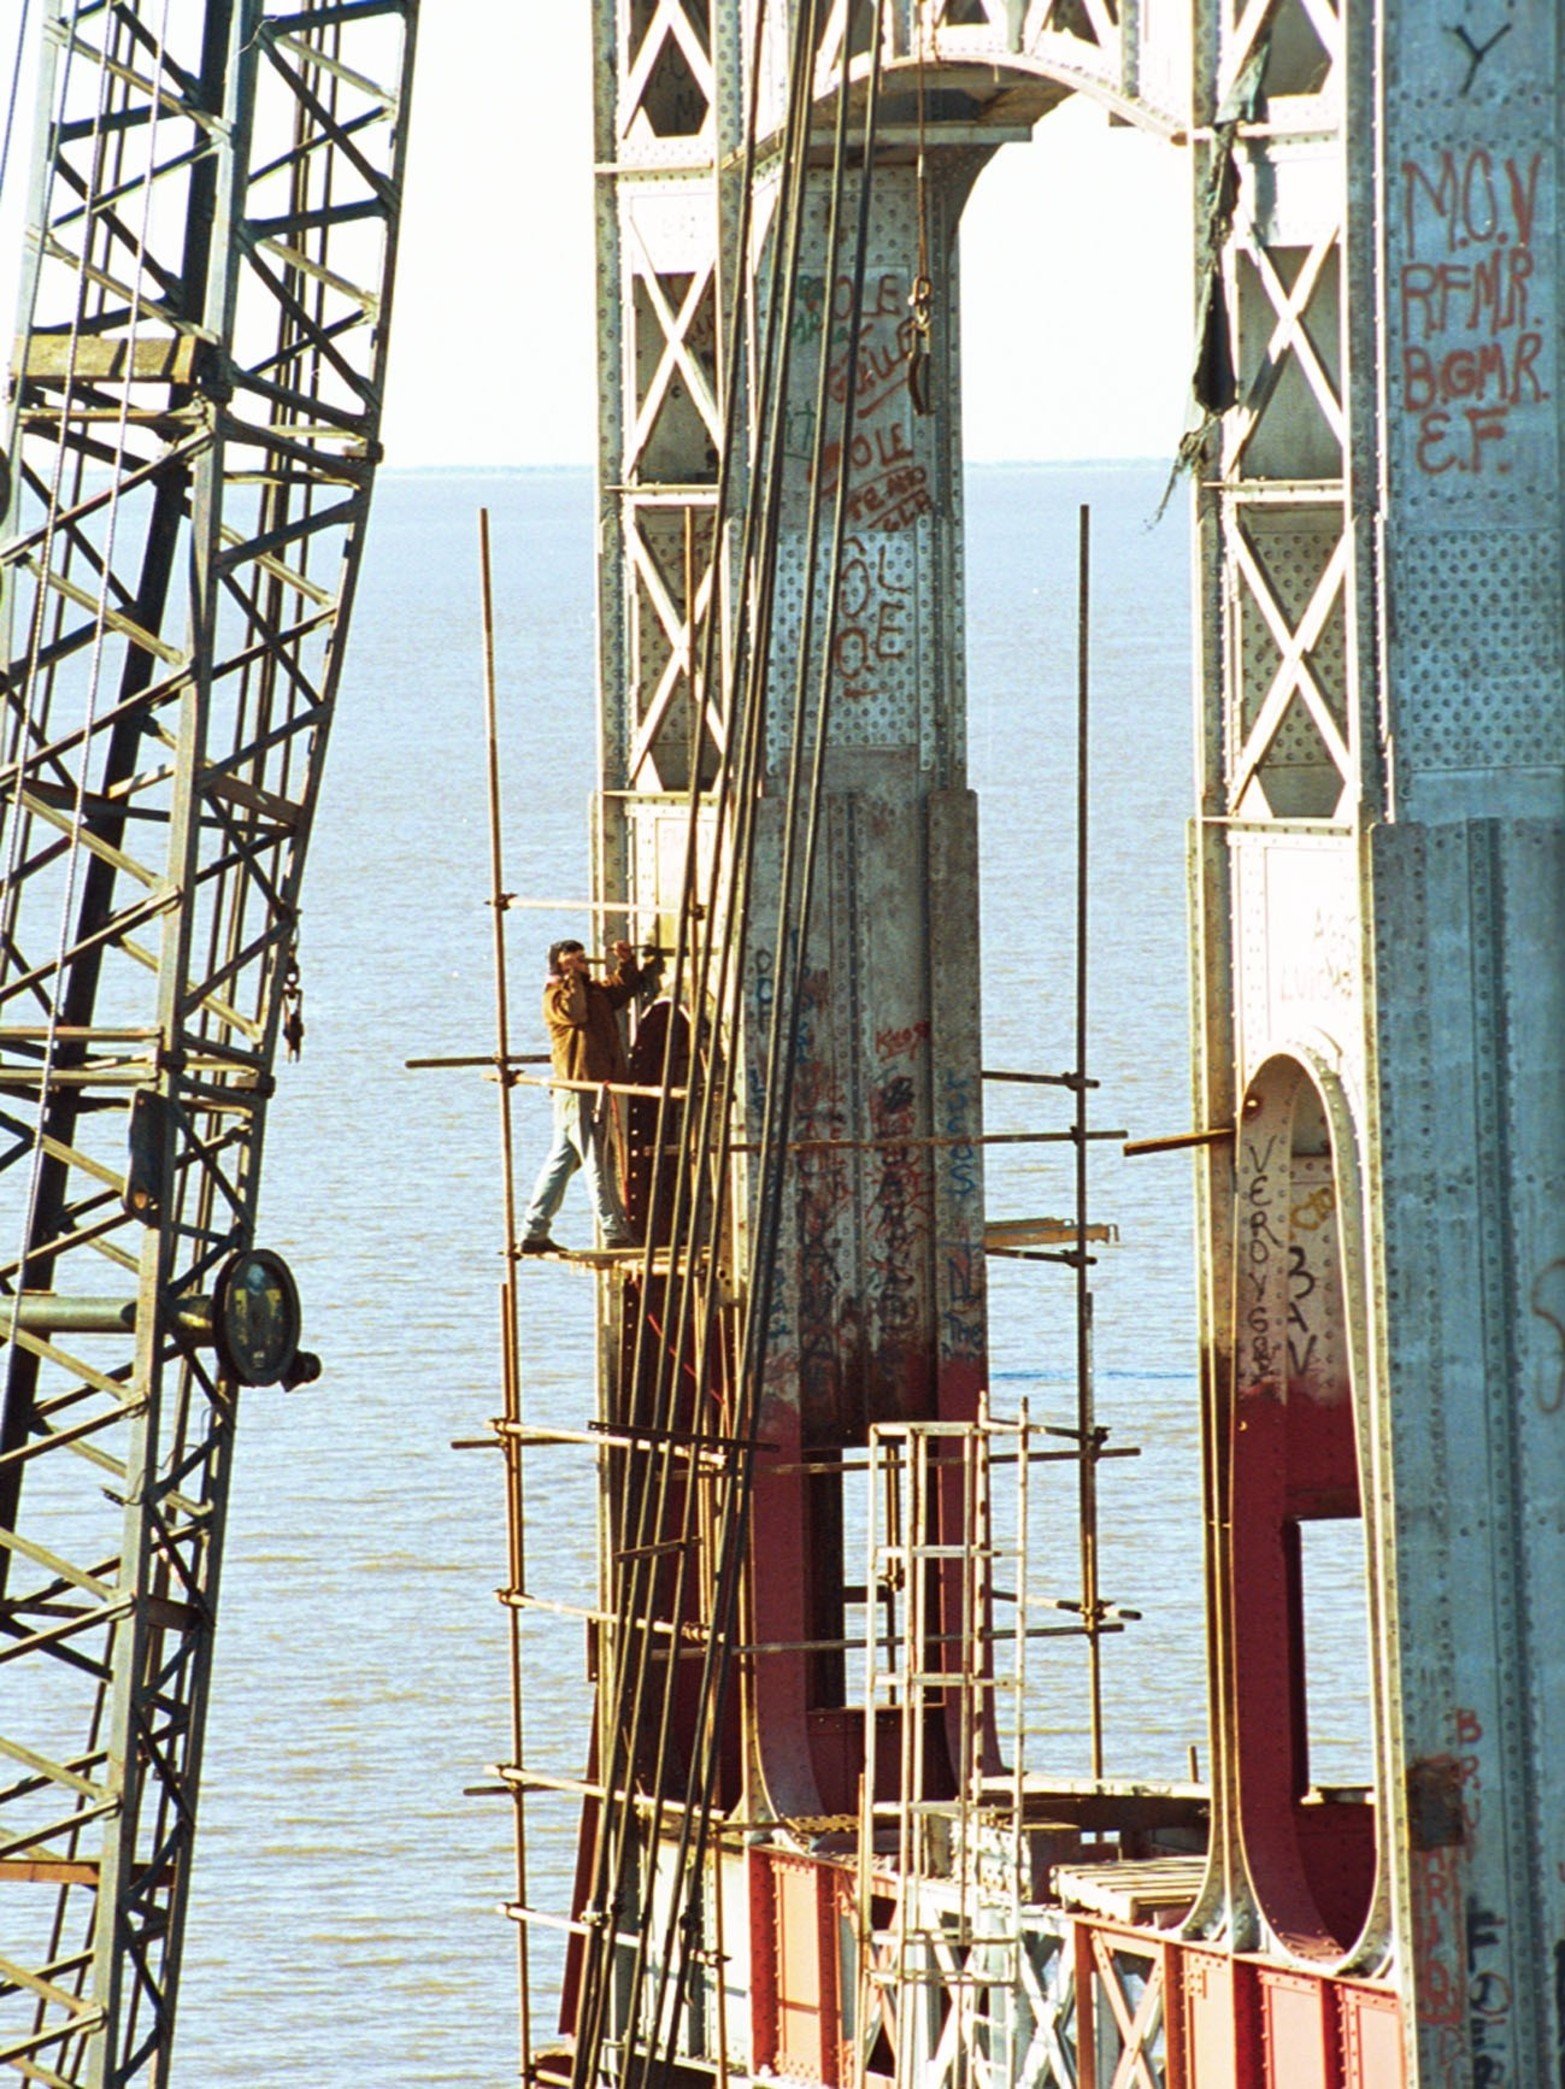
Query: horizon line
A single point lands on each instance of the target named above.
(505, 471)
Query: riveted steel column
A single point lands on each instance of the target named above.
(1465, 877)
(1385, 781)
(877, 1304)
(1283, 564)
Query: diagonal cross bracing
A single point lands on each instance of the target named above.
(174, 577)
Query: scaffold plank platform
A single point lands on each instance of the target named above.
(1000, 1234)
(1158, 1891)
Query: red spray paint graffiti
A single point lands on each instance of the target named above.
(1475, 345)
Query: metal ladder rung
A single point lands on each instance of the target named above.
(969, 1871)
(920, 1555)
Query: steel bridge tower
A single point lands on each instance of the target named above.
(195, 396)
(1376, 895)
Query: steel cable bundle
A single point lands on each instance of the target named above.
(634, 1717)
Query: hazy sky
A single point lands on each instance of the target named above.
(1075, 264)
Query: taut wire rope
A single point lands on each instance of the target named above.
(717, 1661)
(634, 1589)
(23, 23)
(676, 1956)
(621, 1720)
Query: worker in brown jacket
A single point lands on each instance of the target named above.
(582, 1018)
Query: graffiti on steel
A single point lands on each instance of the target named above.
(875, 617)
(1465, 1996)
(901, 1207)
(1478, 38)
(1261, 1343)
(962, 1319)
(1489, 1997)
(1475, 353)
(888, 487)
(823, 1205)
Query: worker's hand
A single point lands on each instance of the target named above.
(624, 953)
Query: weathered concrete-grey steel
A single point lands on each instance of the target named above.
(1376, 864)
(1376, 859)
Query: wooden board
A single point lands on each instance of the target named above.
(595, 1261)
(1041, 1233)
(1131, 1892)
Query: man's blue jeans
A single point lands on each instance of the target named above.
(581, 1140)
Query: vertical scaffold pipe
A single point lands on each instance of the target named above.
(510, 1355)
(1086, 1404)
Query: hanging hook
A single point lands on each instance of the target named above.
(921, 302)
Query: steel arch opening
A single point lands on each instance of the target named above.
(1294, 1461)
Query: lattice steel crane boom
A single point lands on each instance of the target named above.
(193, 435)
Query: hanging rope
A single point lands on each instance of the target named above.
(921, 297)
(1214, 381)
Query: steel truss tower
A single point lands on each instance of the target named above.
(1375, 876)
(196, 394)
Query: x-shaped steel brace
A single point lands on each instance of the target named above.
(680, 633)
(1257, 16)
(1293, 671)
(1288, 336)
(676, 356)
(1133, 2071)
(669, 20)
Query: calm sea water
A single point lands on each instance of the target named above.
(344, 1927)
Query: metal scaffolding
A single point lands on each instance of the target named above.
(737, 756)
(673, 1481)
